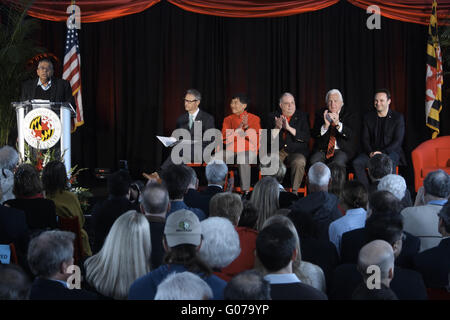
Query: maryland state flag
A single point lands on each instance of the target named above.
(434, 76)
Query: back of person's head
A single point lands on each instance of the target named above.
(54, 177)
(193, 181)
(221, 244)
(177, 179)
(444, 218)
(437, 184)
(9, 158)
(118, 183)
(14, 283)
(227, 205)
(275, 247)
(281, 172)
(183, 286)
(354, 195)
(249, 215)
(216, 172)
(383, 201)
(377, 253)
(155, 198)
(265, 197)
(338, 177)
(135, 191)
(393, 183)
(247, 285)
(319, 176)
(387, 226)
(182, 238)
(48, 251)
(379, 165)
(26, 181)
(124, 257)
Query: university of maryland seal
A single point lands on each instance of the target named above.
(42, 129)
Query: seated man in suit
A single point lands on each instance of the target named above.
(276, 250)
(383, 131)
(434, 263)
(46, 87)
(334, 131)
(421, 221)
(240, 132)
(292, 131)
(49, 256)
(193, 118)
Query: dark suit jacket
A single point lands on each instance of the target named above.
(13, 228)
(394, 132)
(295, 291)
(407, 284)
(60, 91)
(434, 264)
(346, 139)
(299, 143)
(156, 232)
(201, 200)
(354, 240)
(40, 213)
(203, 118)
(43, 289)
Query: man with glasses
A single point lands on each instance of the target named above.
(46, 87)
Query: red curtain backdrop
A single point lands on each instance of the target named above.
(415, 11)
(252, 9)
(91, 11)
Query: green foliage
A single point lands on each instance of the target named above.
(17, 47)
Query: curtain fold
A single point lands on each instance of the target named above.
(252, 9)
(91, 11)
(414, 11)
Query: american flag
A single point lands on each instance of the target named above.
(72, 73)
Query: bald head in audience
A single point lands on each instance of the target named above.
(155, 200)
(378, 253)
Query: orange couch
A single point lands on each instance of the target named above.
(429, 156)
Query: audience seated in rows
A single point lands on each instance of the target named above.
(306, 272)
(434, 263)
(229, 205)
(104, 214)
(183, 286)
(177, 179)
(155, 205)
(28, 189)
(319, 203)
(247, 285)
(182, 240)
(276, 250)
(354, 203)
(422, 220)
(50, 254)
(353, 241)
(265, 198)
(56, 183)
(338, 178)
(377, 253)
(9, 159)
(124, 257)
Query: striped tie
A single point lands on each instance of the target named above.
(331, 142)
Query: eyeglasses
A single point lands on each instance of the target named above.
(189, 101)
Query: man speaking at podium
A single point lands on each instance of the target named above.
(46, 87)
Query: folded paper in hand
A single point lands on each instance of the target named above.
(171, 141)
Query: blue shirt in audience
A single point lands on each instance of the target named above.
(178, 205)
(353, 219)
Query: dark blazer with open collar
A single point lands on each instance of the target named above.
(60, 91)
(205, 119)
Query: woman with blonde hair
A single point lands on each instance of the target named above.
(307, 272)
(265, 198)
(124, 257)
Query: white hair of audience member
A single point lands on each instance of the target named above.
(333, 91)
(216, 172)
(124, 257)
(194, 181)
(377, 252)
(183, 286)
(6, 185)
(319, 174)
(9, 158)
(221, 244)
(393, 183)
(307, 272)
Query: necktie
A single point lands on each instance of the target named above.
(331, 142)
(191, 120)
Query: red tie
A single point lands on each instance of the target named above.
(331, 142)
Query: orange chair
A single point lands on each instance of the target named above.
(438, 294)
(429, 156)
(72, 225)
